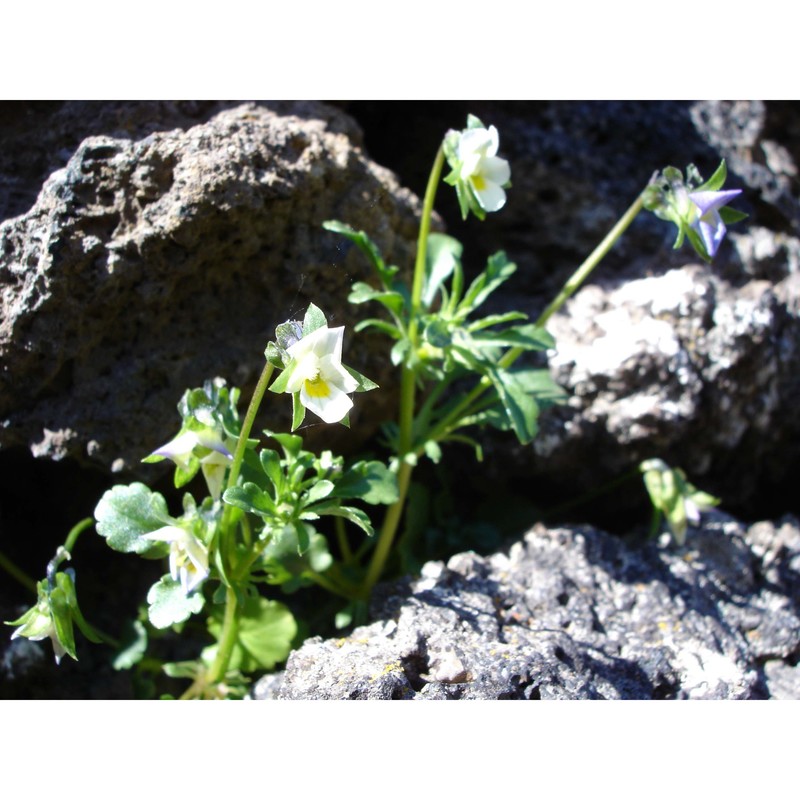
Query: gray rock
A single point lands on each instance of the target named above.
(575, 613)
(684, 366)
(148, 265)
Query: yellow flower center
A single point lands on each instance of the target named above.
(478, 182)
(317, 387)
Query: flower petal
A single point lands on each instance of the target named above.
(496, 170)
(713, 201)
(331, 407)
(491, 197)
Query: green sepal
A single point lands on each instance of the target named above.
(279, 384)
(298, 411)
(716, 181)
(61, 615)
(313, 320)
(364, 383)
(169, 605)
(731, 215)
(125, 513)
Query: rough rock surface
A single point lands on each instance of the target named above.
(575, 613)
(148, 265)
(684, 366)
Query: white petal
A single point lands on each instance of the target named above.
(496, 170)
(492, 197)
(332, 408)
(179, 449)
(333, 372)
(169, 533)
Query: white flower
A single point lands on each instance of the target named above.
(213, 464)
(318, 374)
(481, 168)
(707, 221)
(188, 557)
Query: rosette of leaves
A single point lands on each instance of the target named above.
(455, 342)
(289, 497)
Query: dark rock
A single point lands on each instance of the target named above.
(575, 613)
(150, 264)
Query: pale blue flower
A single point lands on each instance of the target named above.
(707, 220)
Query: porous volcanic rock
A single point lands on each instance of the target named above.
(573, 613)
(147, 265)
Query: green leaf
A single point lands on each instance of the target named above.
(319, 491)
(355, 515)
(313, 320)
(265, 634)
(370, 481)
(363, 293)
(399, 352)
(271, 465)
(125, 513)
(169, 605)
(528, 337)
(498, 270)
(442, 257)
(134, 646)
(382, 325)
(367, 246)
(251, 498)
(495, 319)
(279, 384)
(520, 407)
(539, 383)
(283, 559)
(291, 444)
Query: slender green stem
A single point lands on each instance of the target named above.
(597, 255)
(247, 425)
(344, 544)
(227, 639)
(230, 623)
(569, 288)
(407, 385)
(77, 530)
(17, 574)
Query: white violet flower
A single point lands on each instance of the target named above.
(181, 449)
(318, 374)
(188, 557)
(481, 168)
